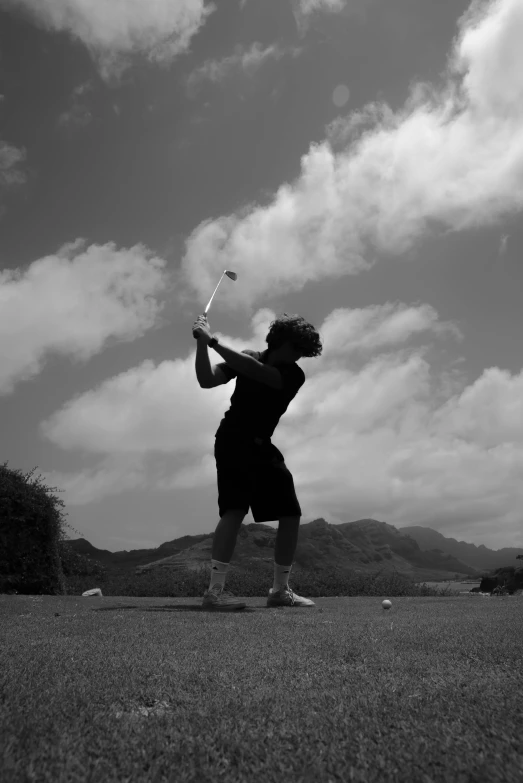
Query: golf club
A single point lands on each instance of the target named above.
(232, 275)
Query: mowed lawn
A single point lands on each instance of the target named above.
(154, 689)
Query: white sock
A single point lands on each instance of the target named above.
(218, 573)
(281, 576)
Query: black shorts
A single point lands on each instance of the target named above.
(253, 474)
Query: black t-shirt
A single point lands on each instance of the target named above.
(256, 408)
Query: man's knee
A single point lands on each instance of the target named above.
(236, 514)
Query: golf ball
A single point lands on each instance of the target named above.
(386, 604)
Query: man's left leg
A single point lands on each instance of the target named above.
(286, 540)
(284, 550)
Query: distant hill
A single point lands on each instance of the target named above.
(365, 545)
(479, 557)
(129, 560)
(368, 545)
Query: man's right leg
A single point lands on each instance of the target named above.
(226, 533)
(223, 546)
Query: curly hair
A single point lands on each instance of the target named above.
(297, 330)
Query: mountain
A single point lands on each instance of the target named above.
(368, 545)
(125, 560)
(478, 557)
(365, 545)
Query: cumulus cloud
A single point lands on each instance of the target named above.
(11, 173)
(303, 10)
(243, 60)
(450, 159)
(380, 326)
(386, 439)
(503, 244)
(78, 112)
(310, 6)
(113, 31)
(110, 477)
(489, 412)
(72, 303)
(145, 409)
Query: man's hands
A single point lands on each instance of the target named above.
(201, 330)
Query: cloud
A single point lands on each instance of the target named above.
(303, 10)
(380, 326)
(244, 60)
(78, 113)
(113, 31)
(12, 175)
(311, 6)
(488, 413)
(133, 413)
(450, 159)
(111, 477)
(148, 408)
(503, 244)
(388, 438)
(10, 172)
(72, 303)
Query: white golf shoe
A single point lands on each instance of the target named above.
(286, 597)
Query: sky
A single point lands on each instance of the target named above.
(355, 162)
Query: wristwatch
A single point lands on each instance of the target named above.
(213, 341)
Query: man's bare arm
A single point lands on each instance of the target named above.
(251, 367)
(204, 372)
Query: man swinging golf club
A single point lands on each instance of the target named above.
(251, 470)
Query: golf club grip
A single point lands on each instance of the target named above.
(205, 314)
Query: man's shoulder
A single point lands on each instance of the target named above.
(293, 376)
(290, 370)
(300, 375)
(294, 369)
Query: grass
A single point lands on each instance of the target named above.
(150, 689)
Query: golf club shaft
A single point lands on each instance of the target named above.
(212, 297)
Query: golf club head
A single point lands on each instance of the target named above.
(232, 276)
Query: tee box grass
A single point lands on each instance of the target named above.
(154, 689)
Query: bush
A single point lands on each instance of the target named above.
(31, 528)
(252, 583)
(76, 564)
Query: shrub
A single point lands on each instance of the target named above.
(76, 564)
(253, 582)
(31, 526)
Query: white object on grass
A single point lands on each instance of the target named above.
(386, 604)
